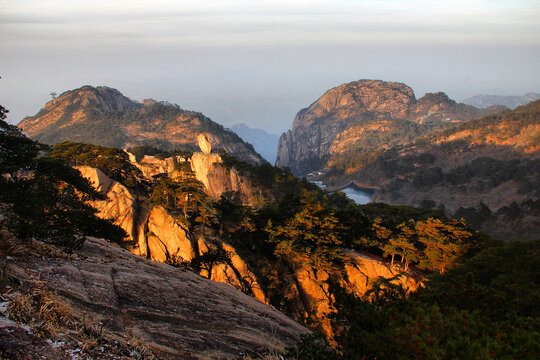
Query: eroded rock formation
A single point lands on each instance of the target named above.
(159, 236)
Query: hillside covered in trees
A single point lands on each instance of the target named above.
(485, 170)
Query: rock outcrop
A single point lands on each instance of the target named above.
(204, 144)
(218, 179)
(103, 116)
(361, 271)
(316, 129)
(151, 166)
(159, 236)
(177, 314)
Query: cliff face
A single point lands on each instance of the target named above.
(336, 115)
(103, 116)
(361, 271)
(306, 147)
(159, 236)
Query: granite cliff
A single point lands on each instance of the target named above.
(103, 116)
(159, 236)
(381, 114)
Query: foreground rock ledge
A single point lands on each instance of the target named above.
(175, 311)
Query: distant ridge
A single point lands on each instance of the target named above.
(354, 121)
(263, 142)
(512, 102)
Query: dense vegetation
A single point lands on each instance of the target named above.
(373, 142)
(113, 162)
(42, 198)
(487, 308)
(457, 314)
(489, 126)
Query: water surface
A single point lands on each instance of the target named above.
(359, 196)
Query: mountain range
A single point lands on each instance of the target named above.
(512, 102)
(263, 142)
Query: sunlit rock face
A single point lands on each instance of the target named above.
(361, 271)
(120, 204)
(204, 144)
(159, 236)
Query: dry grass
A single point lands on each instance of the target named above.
(10, 245)
(140, 350)
(40, 309)
(49, 318)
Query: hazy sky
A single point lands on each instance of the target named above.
(260, 61)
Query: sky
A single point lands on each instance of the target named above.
(260, 61)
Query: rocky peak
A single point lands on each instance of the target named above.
(99, 98)
(320, 127)
(315, 128)
(72, 106)
(379, 98)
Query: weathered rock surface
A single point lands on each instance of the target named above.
(178, 313)
(218, 179)
(120, 205)
(204, 144)
(306, 147)
(365, 268)
(103, 116)
(151, 166)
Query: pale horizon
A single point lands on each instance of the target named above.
(259, 62)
